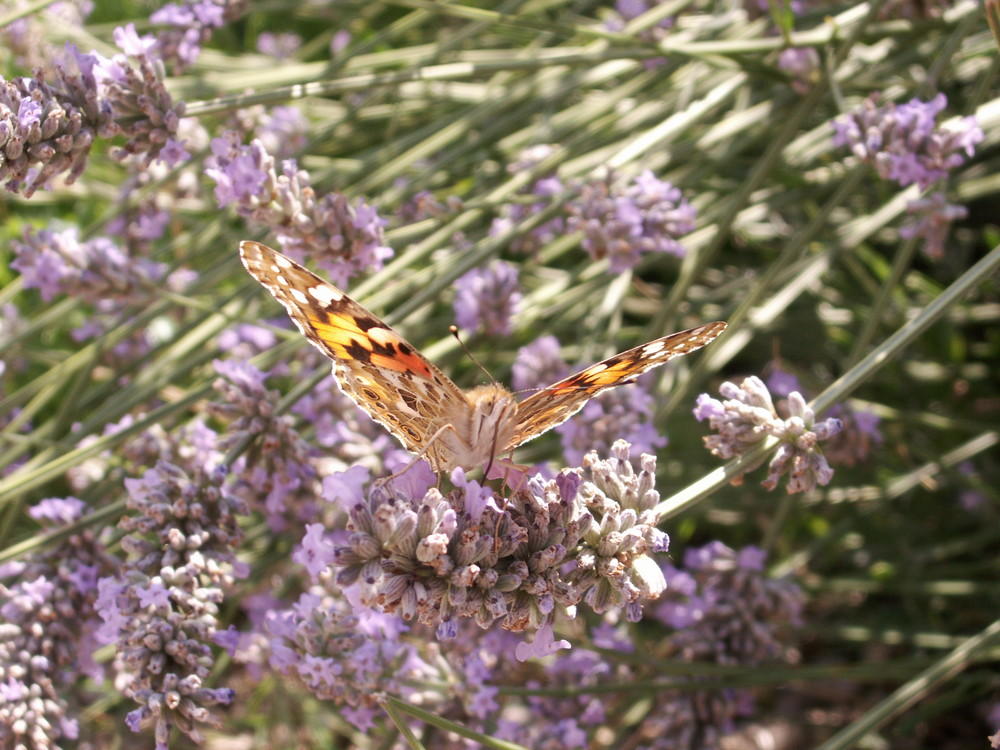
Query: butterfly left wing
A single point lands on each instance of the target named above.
(373, 365)
(552, 406)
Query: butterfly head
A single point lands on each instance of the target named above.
(492, 421)
(492, 403)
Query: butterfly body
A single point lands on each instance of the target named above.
(400, 389)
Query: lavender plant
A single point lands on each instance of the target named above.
(182, 481)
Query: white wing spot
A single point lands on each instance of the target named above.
(653, 348)
(325, 294)
(281, 261)
(299, 297)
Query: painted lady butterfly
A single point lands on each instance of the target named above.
(413, 399)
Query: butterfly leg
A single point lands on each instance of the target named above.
(423, 453)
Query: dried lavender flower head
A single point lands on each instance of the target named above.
(747, 417)
(586, 535)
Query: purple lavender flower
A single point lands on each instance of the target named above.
(343, 657)
(342, 237)
(348, 436)
(49, 622)
(781, 383)
(283, 131)
(487, 298)
(856, 441)
(192, 25)
(436, 558)
(618, 569)
(142, 107)
(532, 200)
(94, 271)
(244, 340)
(732, 610)
(27, 38)
(748, 417)
(48, 130)
(932, 220)
(538, 364)
(802, 65)
(725, 610)
(191, 446)
(182, 537)
(624, 413)
(339, 42)
(280, 46)
(623, 223)
(903, 142)
(279, 466)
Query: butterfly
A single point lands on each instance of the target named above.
(430, 415)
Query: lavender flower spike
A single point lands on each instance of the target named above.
(47, 130)
(748, 417)
(162, 613)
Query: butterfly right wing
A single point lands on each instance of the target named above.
(373, 365)
(552, 406)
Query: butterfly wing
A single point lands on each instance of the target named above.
(552, 406)
(373, 365)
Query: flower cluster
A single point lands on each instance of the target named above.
(860, 434)
(27, 38)
(625, 412)
(47, 631)
(193, 445)
(802, 65)
(933, 216)
(162, 613)
(143, 108)
(562, 710)
(748, 417)
(343, 657)
(437, 558)
(342, 237)
(282, 131)
(538, 364)
(46, 130)
(150, 196)
(347, 435)
(96, 270)
(278, 463)
(724, 610)
(487, 298)
(191, 25)
(623, 223)
(903, 141)
(531, 200)
(905, 145)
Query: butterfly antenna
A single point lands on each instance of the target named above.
(454, 332)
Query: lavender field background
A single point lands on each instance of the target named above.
(788, 539)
